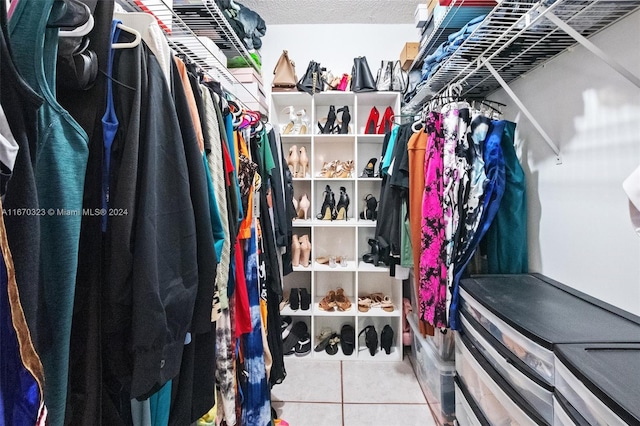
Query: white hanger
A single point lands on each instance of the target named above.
(83, 29)
(140, 21)
(134, 43)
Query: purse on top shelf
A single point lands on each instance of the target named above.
(284, 74)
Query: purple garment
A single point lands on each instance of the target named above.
(433, 274)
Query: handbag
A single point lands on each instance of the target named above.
(399, 78)
(312, 81)
(361, 78)
(383, 80)
(284, 74)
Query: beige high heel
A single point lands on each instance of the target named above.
(304, 205)
(305, 250)
(295, 251)
(304, 162)
(293, 160)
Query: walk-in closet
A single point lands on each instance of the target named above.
(319, 213)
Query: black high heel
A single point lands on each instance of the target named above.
(370, 338)
(374, 256)
(386, 339)
(346, 118)
(342, 208)
(328, 205)
(329, 126)
(305, 299)
(371, 207)
(369, 170)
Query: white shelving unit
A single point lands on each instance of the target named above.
(340, 238)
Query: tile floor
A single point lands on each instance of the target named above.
(350, 393)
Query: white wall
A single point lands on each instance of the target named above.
(579, 228)
(334, 46)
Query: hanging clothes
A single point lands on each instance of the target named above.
(493, 190)
(433, 278)
(61, 161)
(506, 239)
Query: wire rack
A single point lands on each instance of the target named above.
(516, 38)
(199, 30)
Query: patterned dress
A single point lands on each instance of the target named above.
(433, 283)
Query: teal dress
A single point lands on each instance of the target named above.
(61, 160)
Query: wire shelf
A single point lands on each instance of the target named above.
(187, 29)
(516, 38)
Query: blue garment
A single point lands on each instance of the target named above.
(388, 155)
(506, 239)
(109, 127)
(256, 405)
(19, 391)
(495, 170)
(160, 405)
(61, 161)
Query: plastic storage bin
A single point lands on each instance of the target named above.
(530, 314)
(540, 398)
(442, 343)
(600, 381)
(495, 398)
(467, 412)
(434, 375)
(564, 414)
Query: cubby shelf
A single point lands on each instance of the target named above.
(339, 237)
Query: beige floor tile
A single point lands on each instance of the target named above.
(387, 415)
(309, 414)
(381, 382)
(309, 381)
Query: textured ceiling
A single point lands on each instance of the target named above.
(278, 12)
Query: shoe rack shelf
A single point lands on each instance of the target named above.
(346, 238)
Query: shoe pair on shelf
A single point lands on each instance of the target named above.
(328, 340)
(335, 299)
(375, 300)
(384, 126)
(302, 207)
(329, 209)
(298, 161)
(300, 250)
(331, 125)
(379, 254)
(298, 298)
(333, 261)
(298, 123)
(369, 170)
(371, 338)
(337, 169)
(295, 337)
(370, 211)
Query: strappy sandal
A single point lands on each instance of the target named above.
(364, 304)
(343, 302)
(328, 302)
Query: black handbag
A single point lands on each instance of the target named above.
(361, 77)
(311, 82)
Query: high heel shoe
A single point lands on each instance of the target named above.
(305, 299)
(372, 122)
(344, 170)
(369, 170)
(344, 82)
(304, 205)
(292, 160)
(295, 251)
(305, 250)
(297, 124)
(328, 205)
(370, 338)
(304, 162)
(371, 207)
(329, 125)
(387, 121)
(328, 170)
(386, 339)
(344, 121)
(342, 209)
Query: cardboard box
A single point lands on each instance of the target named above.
(247, 75)
(408, 54)
(421, 15)
(431, 4)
